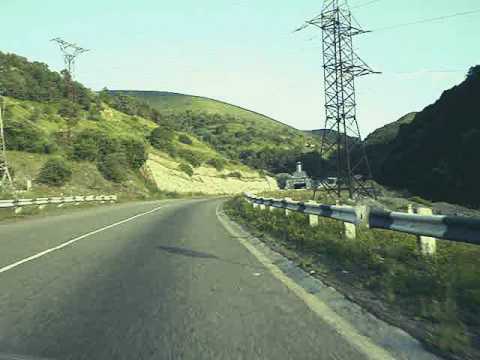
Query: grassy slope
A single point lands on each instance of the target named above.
(260, 126)
(86, 177)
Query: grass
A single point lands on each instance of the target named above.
(436, 299)
(263, 130)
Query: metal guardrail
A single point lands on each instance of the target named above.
(16, 203)
(454, 228)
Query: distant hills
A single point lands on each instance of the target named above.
(255, 139)
(379, 143)
(98, 143)
(434, 153)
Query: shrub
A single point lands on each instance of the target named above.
(187, 169)
(136, 152)
(193, 158)
(113, 166)
(85, 145)
(25, 136)
(235, 174)
(70, 111)
(109, 145)
(185, 139)
(56, 172)
(161, 138)
(217, 163)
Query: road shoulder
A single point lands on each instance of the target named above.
(374, 337)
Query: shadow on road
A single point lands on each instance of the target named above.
(187, 252)
(203, 255)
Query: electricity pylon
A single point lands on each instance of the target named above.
(70, 52)
(341, 137)
(5, 177)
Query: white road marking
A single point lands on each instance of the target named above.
(322, 310)
(70, 242)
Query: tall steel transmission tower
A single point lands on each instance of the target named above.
(5, 177)
(70, 52)
(341, 138)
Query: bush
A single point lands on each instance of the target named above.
(235, 174)
(25, 136)
(113, 166)
(85, 145)
(56, 172)
(161, 138)
(186, 169)
(193, 158)
(217, 163)
(70, 111)
(185, 139)
(136, 152)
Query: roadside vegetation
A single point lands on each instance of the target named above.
(435, 299)
(98, 143)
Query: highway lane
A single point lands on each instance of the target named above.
(170, 284)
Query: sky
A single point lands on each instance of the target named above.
(245, 52)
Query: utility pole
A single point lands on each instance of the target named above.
(70, 52)
(5, 177)
(341, 136)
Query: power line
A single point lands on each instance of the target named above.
(438, 18)
(365, 4)
(341, 66)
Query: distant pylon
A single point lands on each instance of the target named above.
(341, 66)
(70, 51)
(5, 177)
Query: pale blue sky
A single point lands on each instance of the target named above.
(244, 51)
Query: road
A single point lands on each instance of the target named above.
(169, 283)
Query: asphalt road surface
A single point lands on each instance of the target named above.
(152, 280)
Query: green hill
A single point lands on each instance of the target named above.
(436, 154)
(379, 143)
(255, 139)
(97, 143)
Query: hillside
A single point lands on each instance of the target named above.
(97, 144)
(436, 155)
(237, 133)
(379, 143)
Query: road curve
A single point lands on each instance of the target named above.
(151, 280)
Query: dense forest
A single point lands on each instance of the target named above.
(436, 154)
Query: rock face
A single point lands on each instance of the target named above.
(206, 180)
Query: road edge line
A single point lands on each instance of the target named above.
(322, 310)
(72, 241)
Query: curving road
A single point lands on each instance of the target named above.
(152, 280)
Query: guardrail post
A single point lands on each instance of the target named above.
(427, 245)
(287, 212)
(255, 205)
(270, 208)
(262, 207)
(350, 231)
(362, 213)
(312, 219)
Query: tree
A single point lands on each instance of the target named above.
(184, 139)
(161, 138)
(474, 72)
(56, 172)
(113, 166)
(136, 152)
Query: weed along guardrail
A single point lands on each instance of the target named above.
(19, 204)
(426, 226)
